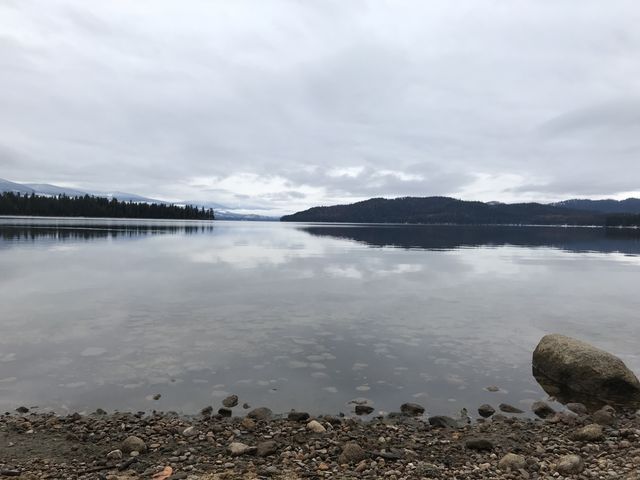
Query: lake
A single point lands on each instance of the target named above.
(109, 313)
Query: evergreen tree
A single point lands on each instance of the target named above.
(90, 206)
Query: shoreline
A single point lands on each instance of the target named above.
(127, 446)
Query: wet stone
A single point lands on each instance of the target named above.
(577, 408)
(261, 413)
(298, 416)
(231, 401)
(486, 410)
(441, 421)
(363, 409)
(505, 407)
(207, 411)
(542, 409)
(412, 409)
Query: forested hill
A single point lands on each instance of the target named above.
(630, 205)
(445, 210)
(89, 206)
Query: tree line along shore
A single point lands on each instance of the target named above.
(92, 206)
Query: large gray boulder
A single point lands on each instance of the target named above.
(584, 369)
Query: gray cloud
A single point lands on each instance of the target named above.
(286, 104)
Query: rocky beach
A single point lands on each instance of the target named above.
(598, 439)
(124, 446)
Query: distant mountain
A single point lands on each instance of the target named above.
(222, 212)
(248, 217)
(445, 210)
(48, 190)
(52, 190)
(630, 205)
(127, 197)
(7, 186)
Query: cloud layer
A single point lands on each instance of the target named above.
(282, 105)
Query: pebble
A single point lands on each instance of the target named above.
(238, 448)
(480, 444)
(114, 455)
(512, 461)
(589, 433)
(352, 453)
(267, 448)
(570, 464)
(316, 427)
(133, 444)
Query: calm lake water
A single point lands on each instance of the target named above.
(107, 313)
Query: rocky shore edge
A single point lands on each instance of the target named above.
(581, 441)
(164, 446)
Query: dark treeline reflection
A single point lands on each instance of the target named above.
(430, 237)
(22, 233)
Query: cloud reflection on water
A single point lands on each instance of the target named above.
(294, 312)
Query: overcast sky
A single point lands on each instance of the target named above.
(284, 105)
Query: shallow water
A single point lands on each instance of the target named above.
(107, 313)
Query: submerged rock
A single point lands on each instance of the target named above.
(584, 369)
(505, 407)
(206, 411)
(412, 409)
(363, 409)
(231, 401)
(486, 410)
(225, 412)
